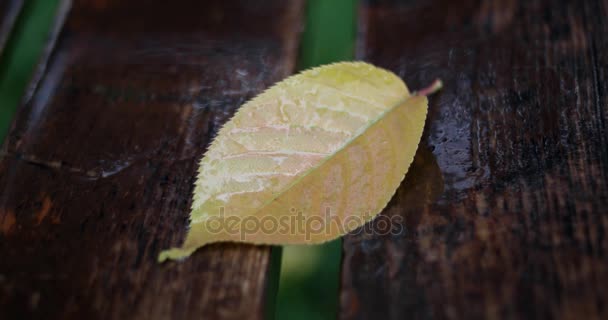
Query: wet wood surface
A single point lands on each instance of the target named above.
(504, 213)
(97, 172)
(9, 11)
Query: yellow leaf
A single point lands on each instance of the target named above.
(314, 157)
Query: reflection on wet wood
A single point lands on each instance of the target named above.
(97, 172)
(9, 10)
(519, 136)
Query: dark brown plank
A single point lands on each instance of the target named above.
(96, 175)
(505, 211)
(9, 10)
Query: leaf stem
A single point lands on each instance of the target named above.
(434, 87)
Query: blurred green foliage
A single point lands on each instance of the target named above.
(329, 34)
(21, 55)
(309, 282)
(310, 275)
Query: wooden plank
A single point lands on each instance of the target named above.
(504, 212)
(9, 11)
(97, 172)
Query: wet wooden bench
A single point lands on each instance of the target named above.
(505, 208)
(506, 204)
(98, 168)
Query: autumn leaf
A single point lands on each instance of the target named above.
(312, 158)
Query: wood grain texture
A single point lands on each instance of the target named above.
(97, 173)
(9, 11)
(504, 212)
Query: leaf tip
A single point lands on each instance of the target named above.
(174, 254)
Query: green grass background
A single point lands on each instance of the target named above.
(21, 55)
(309, 279)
